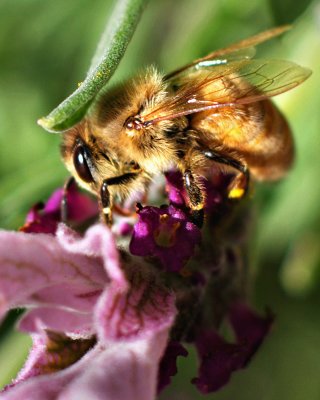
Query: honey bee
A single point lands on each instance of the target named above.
(213, 111)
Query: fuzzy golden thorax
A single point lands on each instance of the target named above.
(150, 146)
(114, 148)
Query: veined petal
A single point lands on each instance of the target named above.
(52, 352)
(76, 297)
(32, 262)
(144, 309)
(98, 242)
(124, 371)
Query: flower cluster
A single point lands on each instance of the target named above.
(109, 312)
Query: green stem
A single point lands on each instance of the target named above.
(114, 41)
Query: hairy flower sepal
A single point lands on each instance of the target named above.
(114, 312)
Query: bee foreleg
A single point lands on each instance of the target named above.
(240, 183)
(196, 198)
(106, 199)
(105, 203)
(121, 179)
(64, 200)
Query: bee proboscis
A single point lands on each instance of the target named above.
(213, 111)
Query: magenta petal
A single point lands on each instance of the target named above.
(219, 359)
(37, 221)
(165, 233)
(53, 204)
(175, 188)
(177, 193)
(168, 363)
(45, 218)
(250, 328)
(80, 206)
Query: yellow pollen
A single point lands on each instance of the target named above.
(165, 235)
(197, 207)
(236, 193)
(163, 218)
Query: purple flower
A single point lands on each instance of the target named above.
(44, 218)
(219, 358)
(167, 234)
(168, 367)
(213, 184)
(105, 320)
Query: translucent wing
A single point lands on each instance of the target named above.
(245, 49)
(238, 82)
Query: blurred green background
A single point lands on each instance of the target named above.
(45, 50)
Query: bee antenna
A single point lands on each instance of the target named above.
(147, 123)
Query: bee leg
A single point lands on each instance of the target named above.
(105, 198)
(105, 203)
(122, 179)
(124, 212)
(196, 198)
(240, 184)
(64, 201)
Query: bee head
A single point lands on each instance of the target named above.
(84, 157)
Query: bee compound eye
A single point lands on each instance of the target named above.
(81, 157)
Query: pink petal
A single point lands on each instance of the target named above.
(59, 320)
(32, 262)
(78, 297)
(52, 352)
(48, 386)
(114, 371)
(143, 310)
(98, 242)
(124, 371)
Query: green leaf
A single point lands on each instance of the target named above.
(287, 11)
(112, 46)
